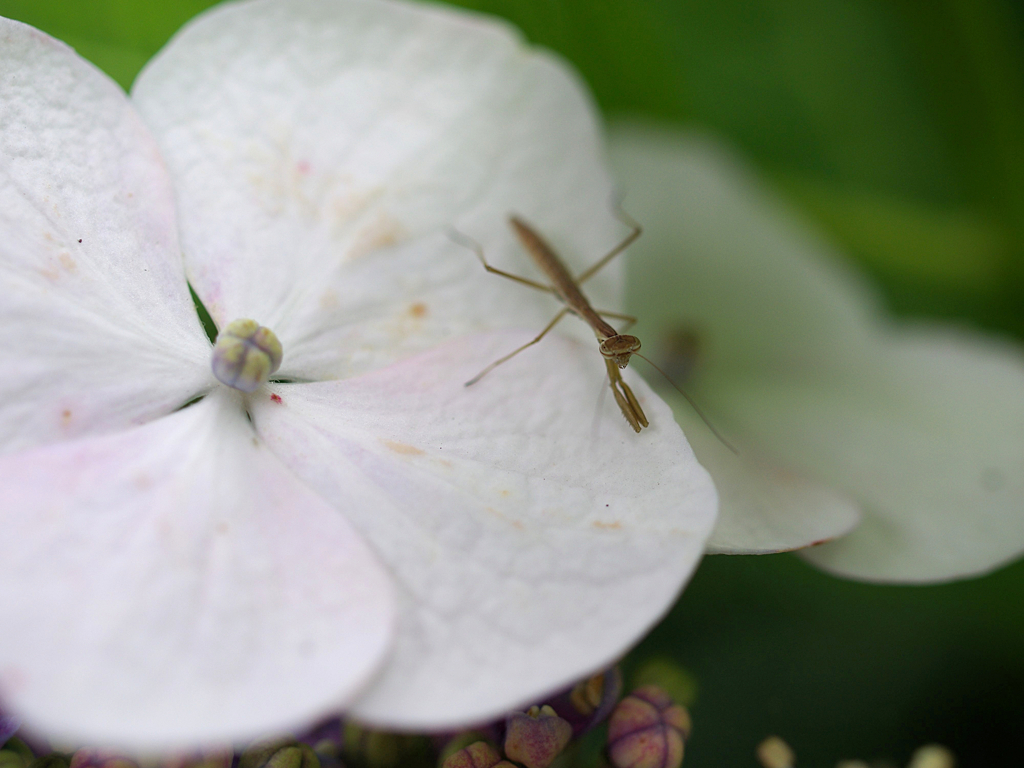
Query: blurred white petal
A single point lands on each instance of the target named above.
(771, 508)
(922, 427)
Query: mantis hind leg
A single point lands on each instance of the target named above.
(597, 266)
(562, 313)
(467, 242)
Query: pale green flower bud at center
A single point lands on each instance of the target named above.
(245, 355)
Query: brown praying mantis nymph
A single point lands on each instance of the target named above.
(616, 348)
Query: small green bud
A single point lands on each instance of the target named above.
(9, 759)
(773, 752)
(537, 737)
(279, 753)
(668, 675)
(208, 759)
(55, 760)
(245, 355)
(932, 756)
(479, 754)
(458, 742)
(19, 747)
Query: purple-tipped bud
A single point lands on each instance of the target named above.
(327, 740)
(101, 758)
(479, 754)
(589, 702)
(279, 753)
(8, 725)
(537, 737)
(648, 730)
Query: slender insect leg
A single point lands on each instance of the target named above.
(593, 269)
(634, 403)
(467, 242)
(562, 313)
(624, 396)
(629, 320)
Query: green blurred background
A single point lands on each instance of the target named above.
(898, 125)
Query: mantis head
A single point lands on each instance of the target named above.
(619, 348)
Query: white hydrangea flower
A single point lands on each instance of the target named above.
(364, 530)
(838, 411)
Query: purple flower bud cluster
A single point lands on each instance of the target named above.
(646, 729)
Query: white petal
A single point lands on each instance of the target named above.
(719, 259)
(323, 149)
(929, 435)
(922, 427)
(99, 329)
(531, 546)
(174, 585)
(771, 508)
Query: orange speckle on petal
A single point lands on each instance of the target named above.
(276, 398)
(328, 300)
(402, 448)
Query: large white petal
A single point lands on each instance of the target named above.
(531, 544)
(928, 435)
(721, 260)
(99, 329)
(175, 585)
(922, 427)
(771, 508)
(322, 150)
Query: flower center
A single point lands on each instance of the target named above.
(245, 355)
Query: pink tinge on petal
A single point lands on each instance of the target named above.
(533, 534)
(175, 586)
